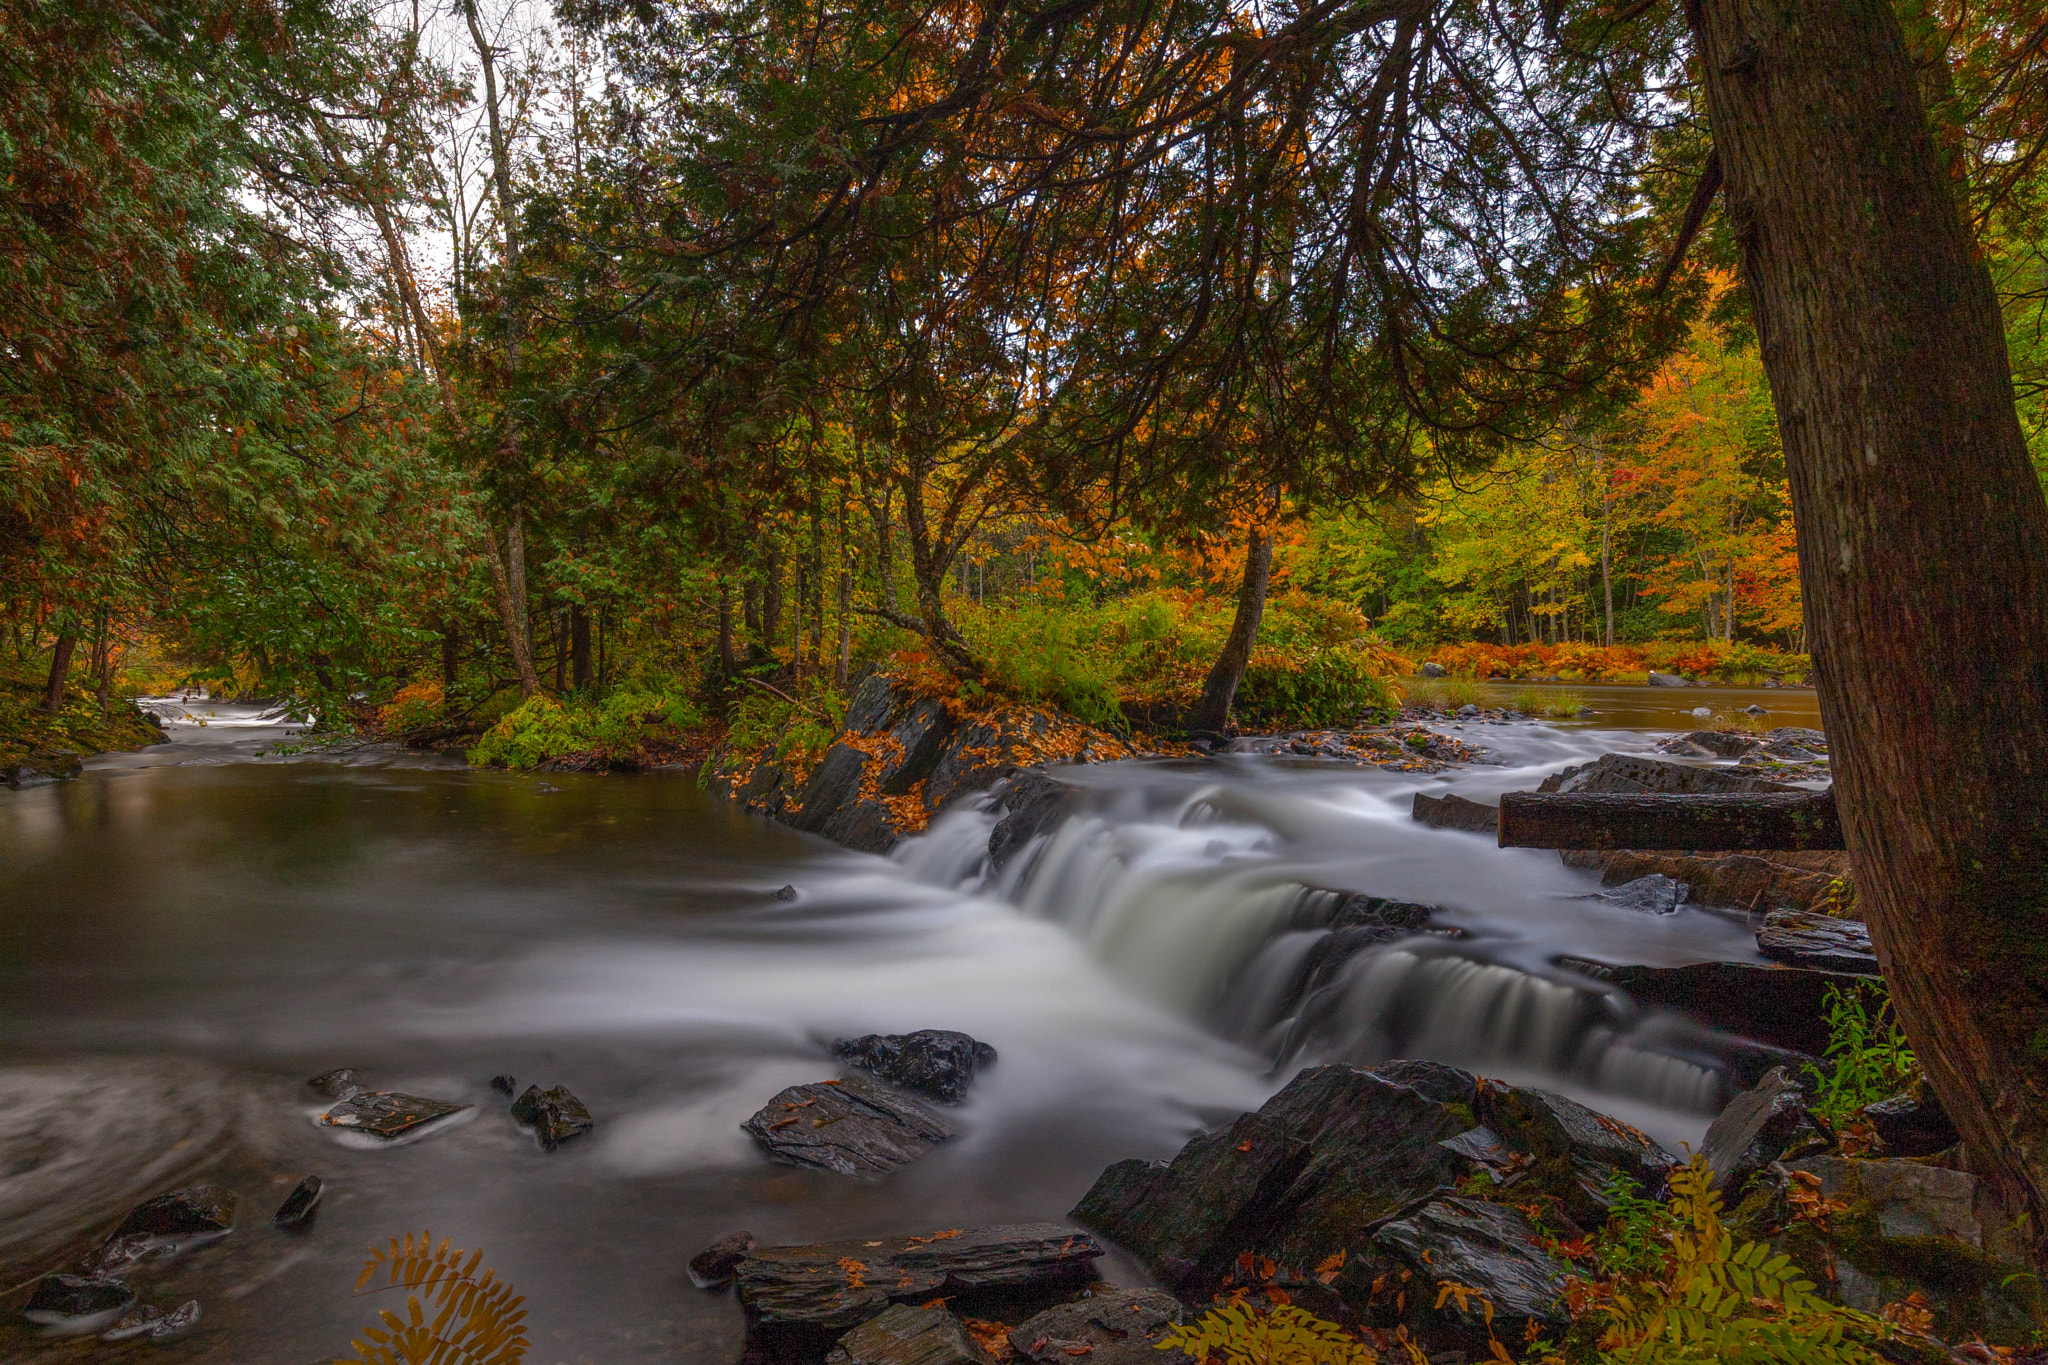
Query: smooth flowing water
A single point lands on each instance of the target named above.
(189, 932)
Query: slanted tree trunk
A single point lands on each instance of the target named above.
(1923, 542)
(60, 669)
(579, 645)
(1212, 712)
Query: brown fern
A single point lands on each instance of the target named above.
(476, 1321)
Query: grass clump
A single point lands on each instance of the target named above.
(629, 728)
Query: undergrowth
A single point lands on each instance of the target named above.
(1869, 1057)
(80, 727)
(629, 728)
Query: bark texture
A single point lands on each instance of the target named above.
(1212, 712)
(1608, 820)
(60, 670)
(1923, 541)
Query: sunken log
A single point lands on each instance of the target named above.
(1615, 820)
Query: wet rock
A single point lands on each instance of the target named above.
(81, 1303)
(1110, 1327)
(555, 1115)
(1655, 894)
(1796, 734)
(784, 893)
(1548, 1125)
(1805, 939)
(1911, 1200)
(854, 1127)
(504, 1085)
(1032, 804)
(1759, 1126)
(715, 1265)
(146, 1322)
(840, 1284)
(1711, 743)
(1667, 680)
(1743, 881)
(196, 1211)
(935, 1062)
(1485, 1247)
(1335, 1151)
(1785, 1007)
(1467, 711)
(1432, 670)
(387, 1114)
(1452, 811)
(1432, 1080)
(1632, 773)
(1912, 1125)
(903, 1335)
(1754, 710)
(339, 1084)
(298, 1206)
(43, 766)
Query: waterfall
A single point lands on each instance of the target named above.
(1203, 909)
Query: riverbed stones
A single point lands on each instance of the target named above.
(1109, 1327)
(554, 1115)
(1335, 1151)
(935, 1062)
(1806, 939)
(906, 1335)
(1709, 744)
(1657, 679)
(1759, 1126)
(298, 1206)
(1655, 894)
(715, 1265)
(1623, 774)
(1483, 1247)
(387, 1114)
(854, 1127)
(1452, 811)
(195, 1211)
(339, 1084)
(147, 1322)
(77, 1301)
(841, 1284)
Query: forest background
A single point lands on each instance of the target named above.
(409, 364)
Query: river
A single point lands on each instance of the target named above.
(187, 933)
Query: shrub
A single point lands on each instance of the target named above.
(1239, 1334)
(414, 706)
(615, 731)
(1871, 1059)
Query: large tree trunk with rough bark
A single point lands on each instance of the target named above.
(60, 670)
(1923, 542)
(1212, 712)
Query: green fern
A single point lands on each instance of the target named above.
(477, 1320)
(1723, 1304)
(1237, 1334)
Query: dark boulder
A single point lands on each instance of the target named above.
(854, 1127)
(840, 1284)
(1032, 804)
(1109, 1327)
(1822, 942)
(1452, 811)
(1759, 1126)
(1785, 1007)
(904, 1335)
(1487, 1248)
(387, 1114)
(554, 1115)
(1657, 679)
(505, 1085)
(935, 1062)
(1631, 773)
(1578, 1152)
(1335, 1151)
(1741, 881)
(1432, 1080)
(338, 1084)
(1710, 744)
(1432, 669)
(298, 1206)
(1655, 894)
(784, 893)
(61, 1300)
(1912, 1125)
(196, 1211)
(715, 1265)
(1800, 735)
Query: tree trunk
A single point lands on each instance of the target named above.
(451, 657)
(508, 576)
(1923, 542)
(1212, 712)
(60, 668)
(845, 628)
(728, 660)
(771, 599)
(579, 645)
(750, 611)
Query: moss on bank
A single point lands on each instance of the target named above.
(33, 741)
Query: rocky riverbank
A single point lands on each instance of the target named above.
(37, 746)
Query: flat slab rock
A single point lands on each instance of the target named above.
(1109, 1327)
(935, 1062)
(1487, 1247)
(904, 1335)
(840, 1284)
(854, 1127)
(1806, 939)
(386, 1113)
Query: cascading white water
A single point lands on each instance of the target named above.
(1218, 903)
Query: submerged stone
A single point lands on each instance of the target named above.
(147, 1322)
(67, 1300)
(854, 1127)
(504, 1085)
(555, 1115)
(338, 1084)
(715, 1265)
(387, 1114)
(936, 1062)
(196, 1211)
(299, 1204)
